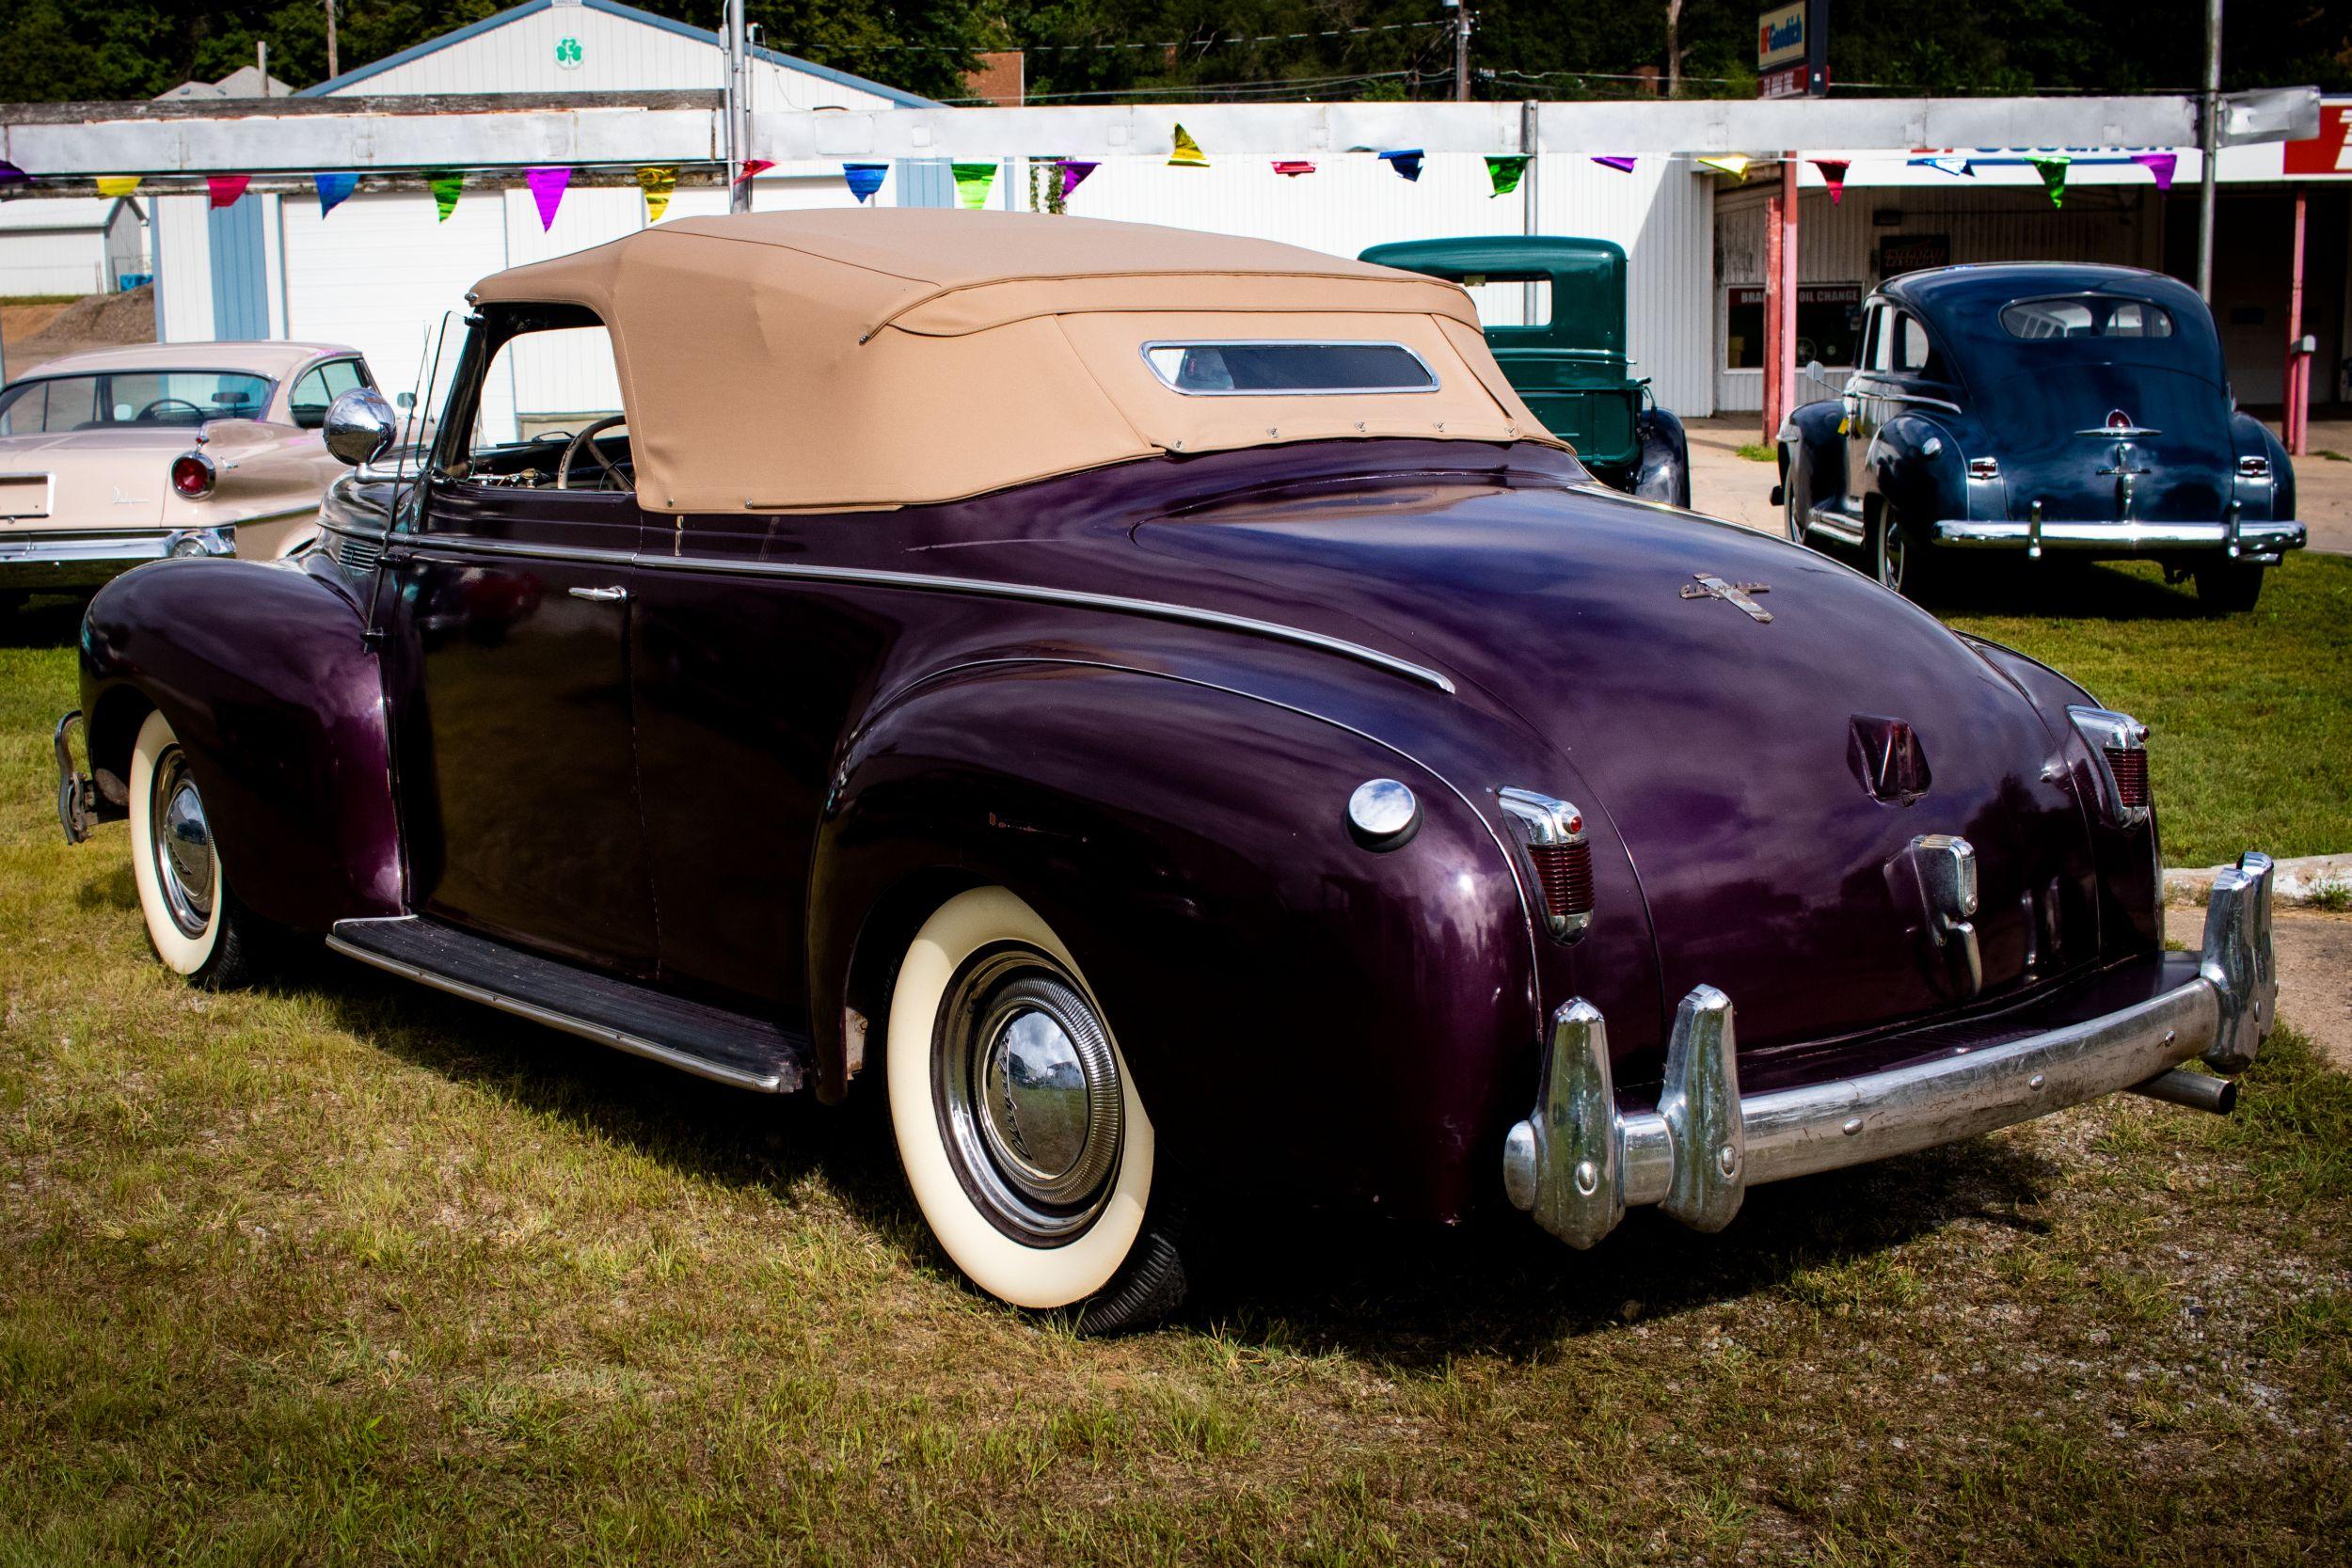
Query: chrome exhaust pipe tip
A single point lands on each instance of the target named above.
(2198, 1091)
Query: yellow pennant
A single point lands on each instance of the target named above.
(1187, 153)
(118, 185)
(657, 184)
(1734, 164)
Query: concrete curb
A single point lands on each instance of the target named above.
(2305, 880)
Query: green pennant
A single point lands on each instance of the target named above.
(971, 183)
(1506, 172)
(446, 184)
(2053, 172)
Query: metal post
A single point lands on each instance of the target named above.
(1785, 368)
(2210, 150)
(1462, 19)
(260, 58)
(2297, 417)
(739, 117)
(1771, 317)
(333, 68)
(1530, 214)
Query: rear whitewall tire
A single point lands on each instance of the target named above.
(1041, 1277)
(181, 951)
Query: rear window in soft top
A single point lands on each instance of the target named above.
(2085, 316)
(1292, 367)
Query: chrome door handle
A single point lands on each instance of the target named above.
(601, 596)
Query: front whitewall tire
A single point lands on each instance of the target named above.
(1010, 1270)
(180, 952)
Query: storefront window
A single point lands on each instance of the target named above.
(1829, 325)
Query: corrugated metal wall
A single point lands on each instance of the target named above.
(1838, 244)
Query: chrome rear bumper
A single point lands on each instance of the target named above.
(2265, 540)
(62, 562)
(1580, 1161)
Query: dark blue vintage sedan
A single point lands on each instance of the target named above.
(2040, 407)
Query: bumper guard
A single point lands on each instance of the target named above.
(77, 794)
(1580, 1161)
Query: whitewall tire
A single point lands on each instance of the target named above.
(191, 919)
(1017, 1124)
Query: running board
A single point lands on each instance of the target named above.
(709, 1042)
(1836, 522)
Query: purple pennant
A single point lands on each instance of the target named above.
(864, 180)
(2161, 165)
(546, 188)
(1622, 164)
(1074, 174)
(11, 175)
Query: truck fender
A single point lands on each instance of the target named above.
(1172, 830)
(263, 674)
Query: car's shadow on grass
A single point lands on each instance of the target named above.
(2072, 590)
(43, 621)
(1387, 1294)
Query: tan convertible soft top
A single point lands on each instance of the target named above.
(838, 359)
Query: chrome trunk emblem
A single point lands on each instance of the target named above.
(1705, 585)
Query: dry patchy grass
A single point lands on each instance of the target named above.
(343, 1272)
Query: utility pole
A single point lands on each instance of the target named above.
(738, 111)
(1463, 20)
(2211, 150)
(334, 67)
(261, 57)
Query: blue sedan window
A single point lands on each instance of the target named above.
(2086, 316)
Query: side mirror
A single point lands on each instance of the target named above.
(1813, 369)
(405, 401)
(360, 426)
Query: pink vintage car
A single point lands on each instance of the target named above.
(130, 454)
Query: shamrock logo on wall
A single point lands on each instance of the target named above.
(567, 53)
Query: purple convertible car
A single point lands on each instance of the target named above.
(1159, 706)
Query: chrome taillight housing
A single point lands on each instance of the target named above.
(1552, 832)
(2120, 741)
(2253, 468)
(192, 475)
(1984, 468)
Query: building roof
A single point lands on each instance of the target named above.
(853, 358)
(611, 7)
(247, 81)
(25, 216)
(273, 357)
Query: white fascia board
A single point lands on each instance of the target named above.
(301, 144)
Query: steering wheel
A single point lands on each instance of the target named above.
(612, 477)
(161, 401)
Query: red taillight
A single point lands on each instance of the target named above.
(1564, 872)
(192, 475)
(2128, 766)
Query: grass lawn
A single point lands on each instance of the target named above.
(343, 1271)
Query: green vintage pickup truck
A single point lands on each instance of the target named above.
(1570, 364)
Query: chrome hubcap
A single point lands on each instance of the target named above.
(186, 869)
(1891, 556)
(1028, 1091)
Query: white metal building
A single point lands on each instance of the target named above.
(81, 245)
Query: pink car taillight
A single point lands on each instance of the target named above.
(192, 475)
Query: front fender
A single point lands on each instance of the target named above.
(1345, 1024)
(1812, 443)
(278, 702)
(1663, 473)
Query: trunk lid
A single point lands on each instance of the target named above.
(87, 478)
(1722, 747)
(2175, 468)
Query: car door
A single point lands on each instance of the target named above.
(517, 759)
(1863, 402)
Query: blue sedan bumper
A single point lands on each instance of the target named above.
(2262, 542)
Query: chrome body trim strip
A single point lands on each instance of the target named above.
(619, 1039)
(1707, 1143)
(2123, 533)
(877, 578)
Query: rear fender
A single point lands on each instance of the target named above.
(262, 671)
(1354, 1024)
(1918, 470)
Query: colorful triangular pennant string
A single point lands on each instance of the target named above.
(1187, 153)
(1734, 164)
(11, 175)
(753, 166)
(1953, 165)
(2053, 172)
(1834, 176)
(225, 189)
(971, 183)
(1074, 173)
(547, 185)
(333, 190)
(864, 180)
(1504, 172)
(117, 186)
(1406, 161)
(658, 183)
(1293, 168)
(2161, 165)
(447, 184)
(1618, 161)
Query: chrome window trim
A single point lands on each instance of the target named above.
(875, 578)
(1289, 391)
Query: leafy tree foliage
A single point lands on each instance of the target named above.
(131, 49)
